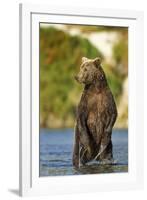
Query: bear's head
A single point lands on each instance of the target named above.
(91, 72)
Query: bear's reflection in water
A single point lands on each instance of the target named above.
(100, 169)
(88, 169)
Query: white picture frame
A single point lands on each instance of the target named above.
(30, 182)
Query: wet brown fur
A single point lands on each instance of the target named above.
(96, 115)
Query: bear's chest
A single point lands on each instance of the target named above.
(96, 103)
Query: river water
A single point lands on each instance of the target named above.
(56, 154)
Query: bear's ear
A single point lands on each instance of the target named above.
(97, 62)
(84, 59)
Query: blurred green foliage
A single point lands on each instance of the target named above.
(114, 81)
(60, 58)
(120, 54)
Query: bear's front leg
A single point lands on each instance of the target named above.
(82, 145)
(106, 147)
(85, 139)
(83, 130)
(75, 158)
(111, 122)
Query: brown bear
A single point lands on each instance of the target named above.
(96, 115)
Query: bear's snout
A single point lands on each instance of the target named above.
(76, 77)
